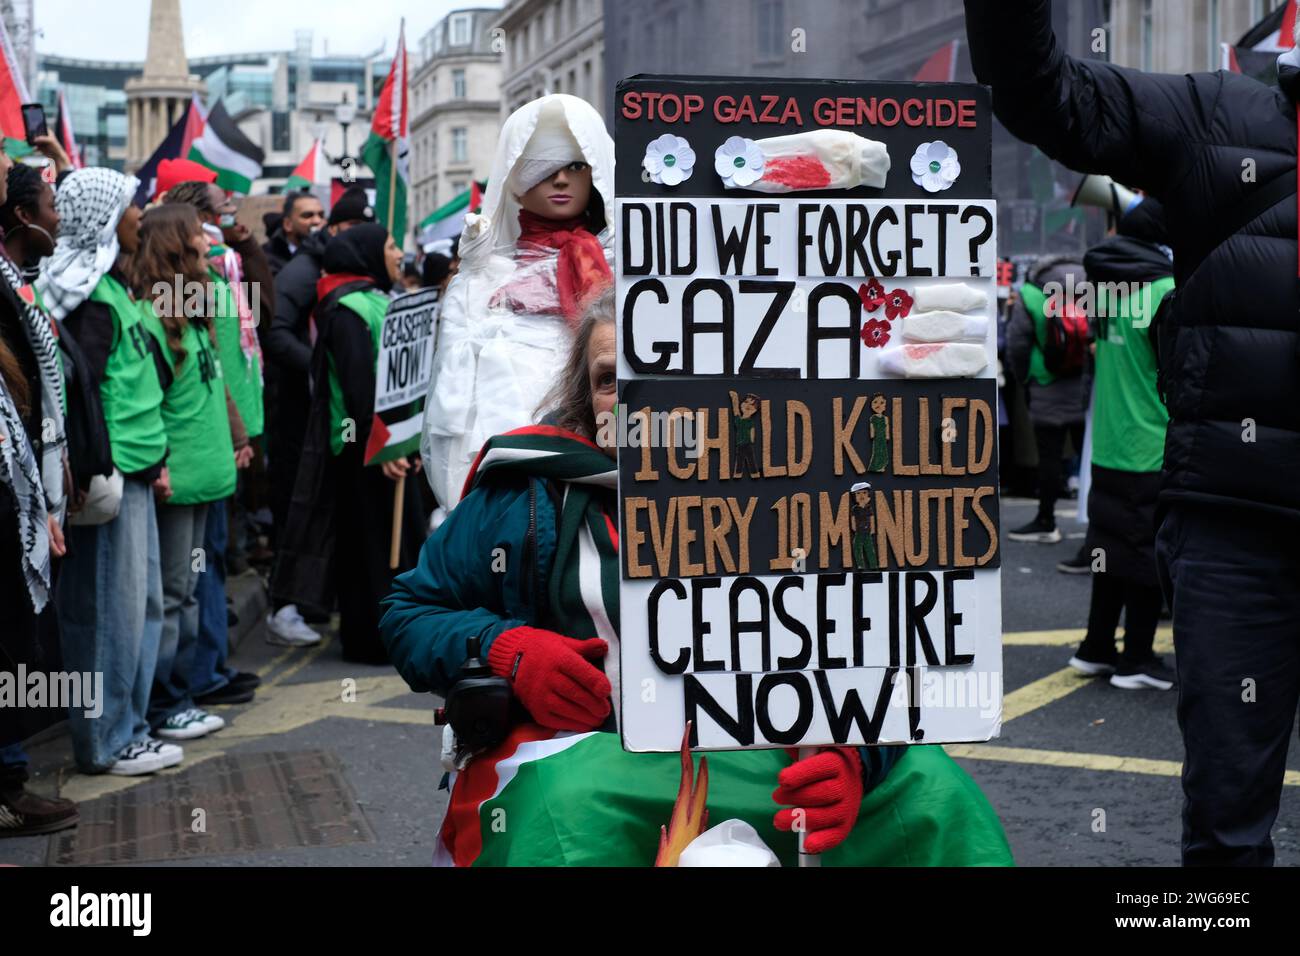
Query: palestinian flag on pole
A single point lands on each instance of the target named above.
(448, 220)
(387, 150)
(175, 144)
(13, 94)
(1256, 53)
(222, 147)
(67, 138)
(309, 172)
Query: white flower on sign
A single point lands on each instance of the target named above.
(669, 160)
(739, 162)
(935, 166)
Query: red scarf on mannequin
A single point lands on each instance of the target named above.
(581, 269)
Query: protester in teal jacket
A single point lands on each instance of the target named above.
(504, 568)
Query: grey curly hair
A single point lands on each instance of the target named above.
(568, 403)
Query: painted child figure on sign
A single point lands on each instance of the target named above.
(744, 426)
(878, 431)
(862, 522)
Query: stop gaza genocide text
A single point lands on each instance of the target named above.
(770, 108)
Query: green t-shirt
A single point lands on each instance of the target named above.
(1035, 302)
(371, 306)
(1128, 419)
(744, 430)
(243, 375)
(202, 459)
(130, 392)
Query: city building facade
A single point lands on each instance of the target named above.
(455, 107)
(281, 100)
(1178, 36)
(552, 46)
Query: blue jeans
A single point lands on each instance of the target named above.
(180, 543)
(209, 671)
(110, 603)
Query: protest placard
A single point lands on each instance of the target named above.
(807, 419)
(402, 371)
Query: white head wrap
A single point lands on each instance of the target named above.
(549, 149)
(90, 202)
(497, 226)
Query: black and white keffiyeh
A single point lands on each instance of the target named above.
(90, 203)
(18, 471)
(53, 437)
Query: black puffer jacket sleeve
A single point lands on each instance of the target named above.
(295, 295)
(1142, 129)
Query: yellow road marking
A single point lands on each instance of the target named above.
(312, 653)
(1041, 692)
(1081, 761)
(1069, 637)
(281, 708)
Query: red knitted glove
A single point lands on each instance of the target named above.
(552, 676)
(828, 787)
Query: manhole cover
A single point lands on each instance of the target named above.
(227, 804)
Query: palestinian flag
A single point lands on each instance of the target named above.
(1256, 53)
(13, 94)
(309, 172)
(448, 220)
(175, 145)
(553, 798)
(387, 150)
(941, 67)
(222, 147)
(67, 138)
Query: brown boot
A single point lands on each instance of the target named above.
(23, 813)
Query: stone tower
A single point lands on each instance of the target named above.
(157, 98)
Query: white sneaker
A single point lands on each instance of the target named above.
(189, 724)
(287, 628)
(170, 753)
(136, 759)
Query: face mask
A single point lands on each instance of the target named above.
(227, 220)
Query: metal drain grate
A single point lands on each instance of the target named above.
(250, 802)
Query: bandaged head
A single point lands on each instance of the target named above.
(549, 149)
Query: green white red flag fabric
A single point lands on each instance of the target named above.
(448, 220)
(13, 94)
(387, 149)
(309, 172)
(549, 798)
(223, 147)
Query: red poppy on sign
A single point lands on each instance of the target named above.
(875, 333)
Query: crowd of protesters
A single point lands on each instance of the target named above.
(151, 428)
(145, 444)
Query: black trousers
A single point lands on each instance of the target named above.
(1051, 443)
(363, 536)
(1231, 576)
(1140, 603)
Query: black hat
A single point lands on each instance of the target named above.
(352, 206)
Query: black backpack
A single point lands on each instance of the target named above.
(89, 451)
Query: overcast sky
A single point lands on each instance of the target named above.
(118, 29)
